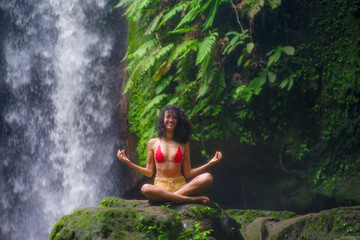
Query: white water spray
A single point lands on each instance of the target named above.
(58, 133)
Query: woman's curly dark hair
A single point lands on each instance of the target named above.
(183, 126)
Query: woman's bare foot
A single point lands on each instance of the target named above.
(199, 199)
(184, 199)
(156, 194)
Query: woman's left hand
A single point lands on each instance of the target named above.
(216, 158)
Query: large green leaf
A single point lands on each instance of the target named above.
(289, 50)
(271, 76)
(250, 47)
(277, 55)
(284, 83)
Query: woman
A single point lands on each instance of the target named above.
(168, 152)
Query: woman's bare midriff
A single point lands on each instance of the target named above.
(168, 169)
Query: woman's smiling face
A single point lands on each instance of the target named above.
(170, 120)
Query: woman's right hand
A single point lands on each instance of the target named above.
(122, 157)
(216, 158)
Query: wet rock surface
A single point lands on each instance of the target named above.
(116, 218)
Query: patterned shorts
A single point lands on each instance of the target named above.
(170, 184)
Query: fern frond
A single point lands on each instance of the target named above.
(128, 85)
(183, 30)
(123, 3)
(163, 51)
(255, 9)
(129, 81)
(206, 47)
(143, 49)
(205, 67)
(211, 16)
(180, 49)
(163, 84)
(155, 101)
(141, 66)
(135, 73)
(178, 8)
(173, 101)
(204, 6)
(163, 69)
(136, 8)
(144, 4)
(157, 54)
(190, 16)
(149, 61)
(131, 7)
(203, 89)
(212, 74)
(274, 3)
(192, 48)
(152, 25)
(181, 88)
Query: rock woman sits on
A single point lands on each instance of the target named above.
(169, 152)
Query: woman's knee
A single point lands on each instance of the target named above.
(146, 189)
(207, 178)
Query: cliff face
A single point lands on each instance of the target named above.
(116, 218)
(291, 141)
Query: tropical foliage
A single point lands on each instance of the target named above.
(179, 54)
(277, 74)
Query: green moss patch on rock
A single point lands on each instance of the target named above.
(329, 224)
(212, 217)
(117, 218)
(247, 216)
(338, 223)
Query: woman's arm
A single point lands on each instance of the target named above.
(148, 170)
(190, 172)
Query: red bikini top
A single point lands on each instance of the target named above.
(159, 156)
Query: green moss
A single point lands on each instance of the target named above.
(95, 222)
(130, 220)
(246, 216)
(112, 202)
(137, 220)
(329, 224)
(202, 212)
(61, 233)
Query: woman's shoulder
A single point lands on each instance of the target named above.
(186, 145)
(153, 141)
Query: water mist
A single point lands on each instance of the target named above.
(59, 90)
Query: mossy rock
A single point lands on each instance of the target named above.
(338, 223)
(117, 218)
(115, 223)
(247, 215)
(212, 217)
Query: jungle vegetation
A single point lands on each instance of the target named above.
(284, 74)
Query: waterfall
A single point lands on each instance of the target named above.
(59, 90)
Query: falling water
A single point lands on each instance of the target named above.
(59, 87)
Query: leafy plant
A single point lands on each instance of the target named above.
(195, 232)
(179, 55)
